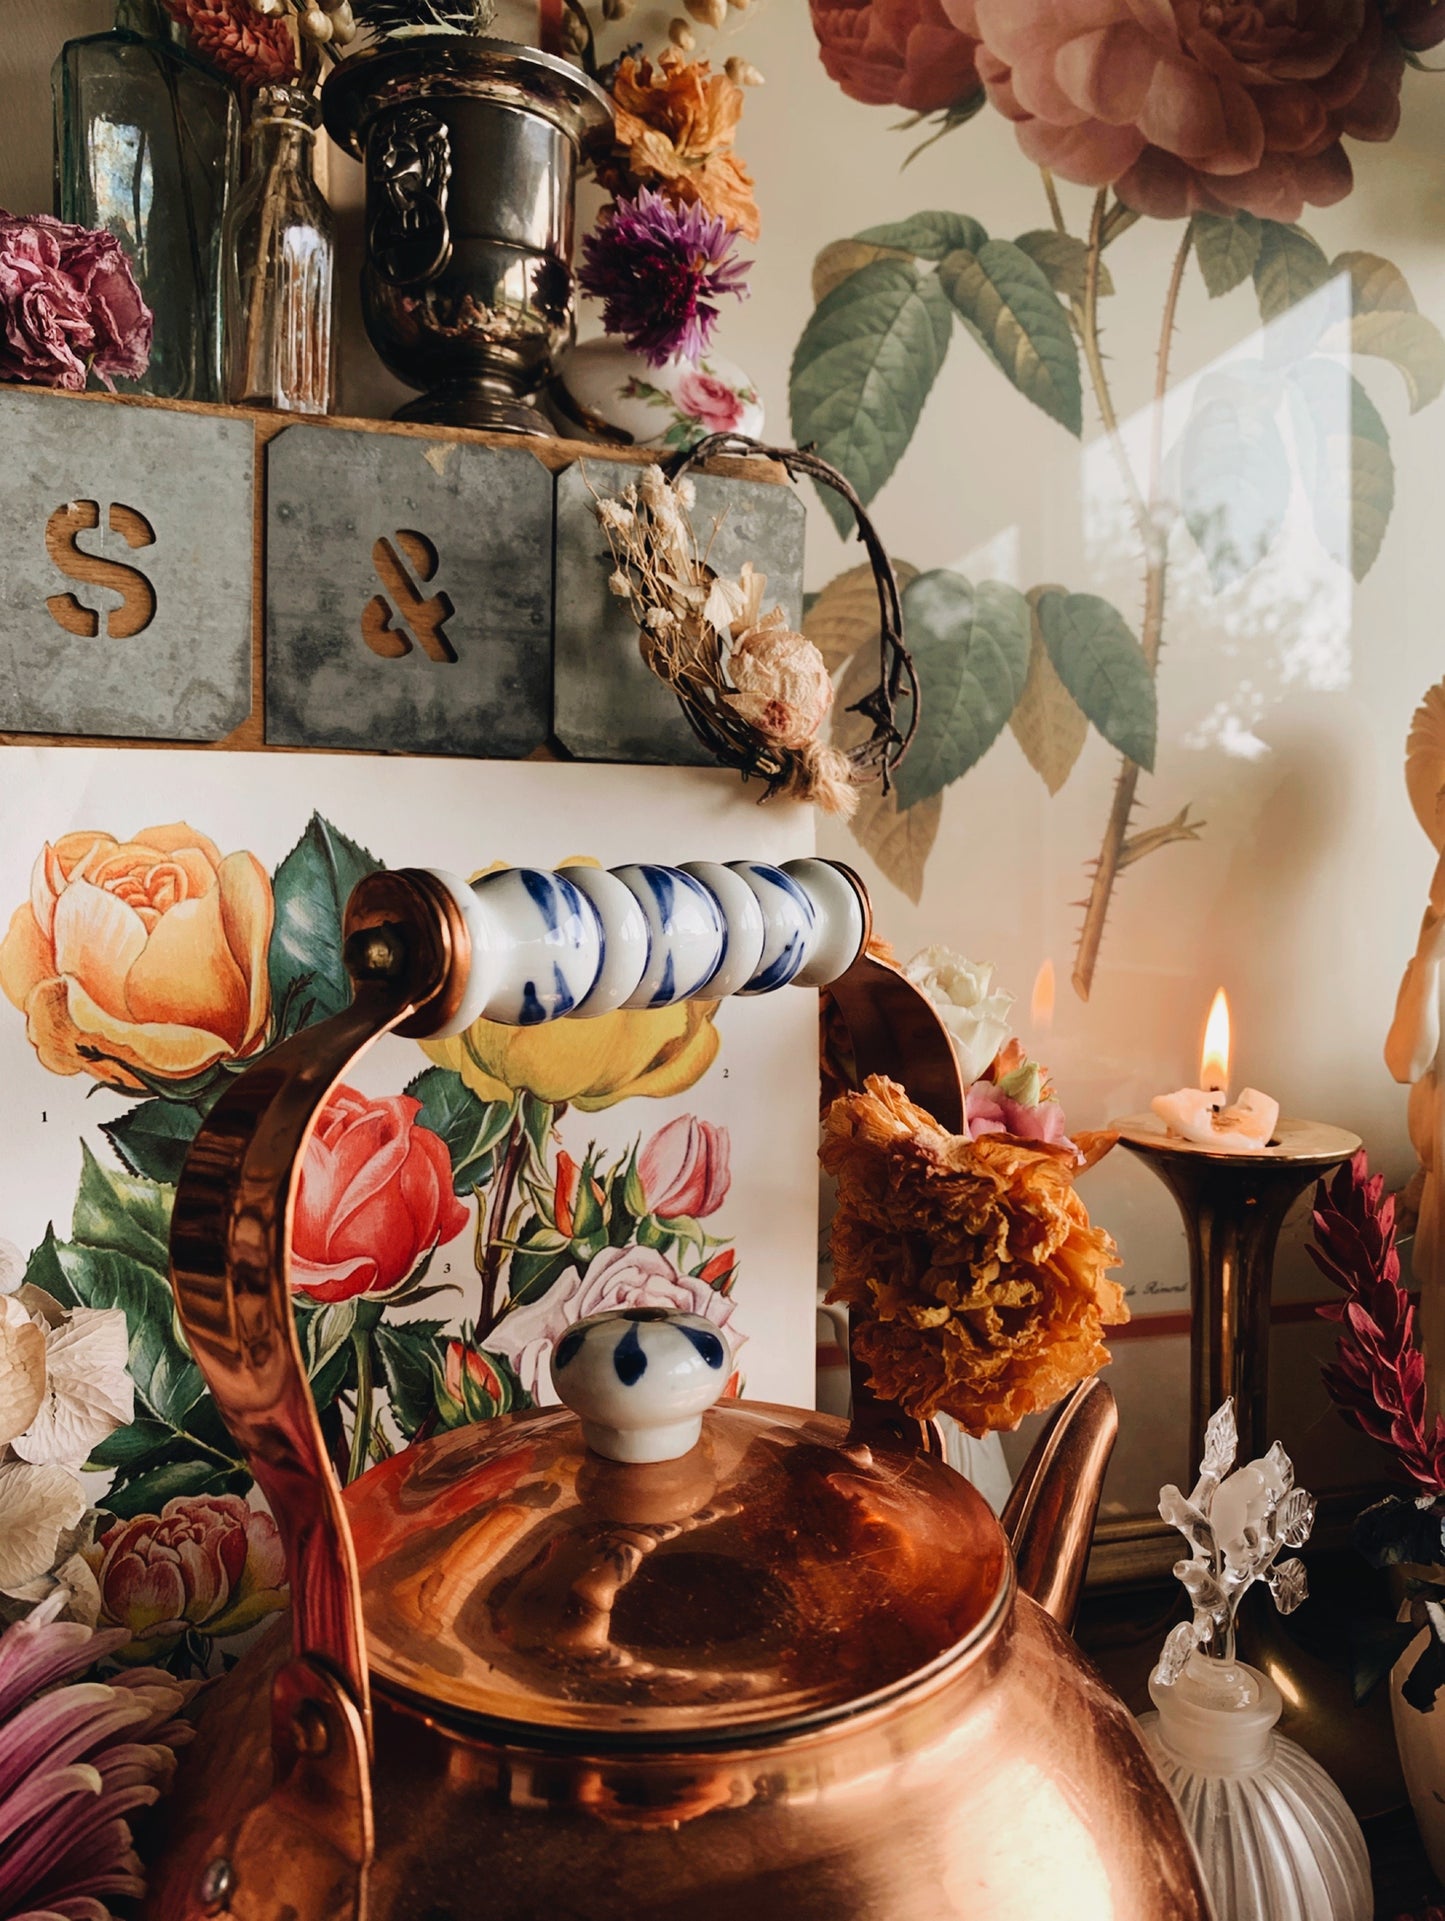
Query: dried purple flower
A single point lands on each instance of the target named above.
(659, 271)
(77, 1757)
(69, 304)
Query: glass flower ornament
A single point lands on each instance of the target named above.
(1275, 1837)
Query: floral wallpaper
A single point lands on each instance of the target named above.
(446, 1231)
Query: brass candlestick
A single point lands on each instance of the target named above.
(1233, 1206)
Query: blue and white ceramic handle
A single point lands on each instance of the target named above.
(584, 941)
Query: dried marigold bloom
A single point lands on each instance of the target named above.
(978, 1283)
(675, 126)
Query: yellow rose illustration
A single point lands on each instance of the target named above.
(586, 1064)
(144, 957)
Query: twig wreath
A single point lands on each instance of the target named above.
(754, 691)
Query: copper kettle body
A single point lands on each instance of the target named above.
(801, 1671)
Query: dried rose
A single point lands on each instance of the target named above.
(236, 40)
(979, 1284)
(69, 304)
(781, 682)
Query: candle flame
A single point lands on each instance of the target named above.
(1041, 1002)
(1214, 1058)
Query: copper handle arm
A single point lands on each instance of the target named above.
(231, 1239)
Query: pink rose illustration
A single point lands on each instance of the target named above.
(619, 1277)
(684, 1169)
(895, 53)
(711, 402)
(1187, 107)
(206, 1563)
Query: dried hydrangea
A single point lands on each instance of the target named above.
(980, 1286)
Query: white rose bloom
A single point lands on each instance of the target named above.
(962, 990)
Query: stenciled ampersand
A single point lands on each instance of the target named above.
(386, 618)
(137, 596)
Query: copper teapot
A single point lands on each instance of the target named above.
(794, 1668)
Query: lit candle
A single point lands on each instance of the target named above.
(1205, 1115)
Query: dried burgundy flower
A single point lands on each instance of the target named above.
(69, 304)
(1378, 1380)
(659, 271)
(244, 45)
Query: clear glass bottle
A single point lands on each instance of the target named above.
(146, 145)
(1276, 1838)
(279, 248)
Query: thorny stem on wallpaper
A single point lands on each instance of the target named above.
(492, 1243)
(1116, 849)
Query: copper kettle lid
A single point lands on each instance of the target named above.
(770, 1576)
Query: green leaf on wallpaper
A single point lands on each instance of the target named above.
(122, 1213)
(1344, 455)
(1290, 268)
(1005, 301)
(471, 1127)
(167, 1381)
(541, 1258)
(412, 1354)
(1227, 248)
(311, 886)
(927, 235)
(1048, 723)
(1234, 477)
(1064, 258)
(154, 1137)
(148, 1493)
(1385, 323)
(971, 648)
(1096, 656)
(865, 365)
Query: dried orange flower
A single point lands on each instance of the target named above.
(676, 122)
(978, 1283)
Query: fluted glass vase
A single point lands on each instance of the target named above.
(279, 249)
(1276, 1839)
(146, 144)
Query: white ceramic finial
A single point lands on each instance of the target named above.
(640, 1380)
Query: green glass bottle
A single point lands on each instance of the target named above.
(146, 145)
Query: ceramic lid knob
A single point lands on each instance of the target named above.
(640, 1380)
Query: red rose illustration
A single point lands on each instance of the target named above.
(1184, 106)
(375, 1196)
(206, 1563)
(1418, 24)
(684, 1169)
(895, 53)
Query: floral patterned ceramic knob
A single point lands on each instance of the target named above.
(640, 1380)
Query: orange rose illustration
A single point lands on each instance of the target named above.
(142, 959)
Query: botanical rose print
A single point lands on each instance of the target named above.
(1188, 106)
(142, 959)
(619, 1277)
(711, 402)
(465, 1365)
(586, 1064)
(206, 1564)
(896, 53)
(375, 1195)
(69, 305)
(684, 1169)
